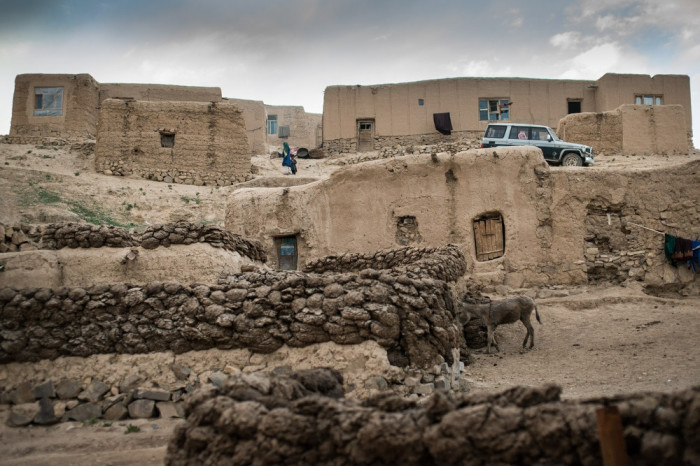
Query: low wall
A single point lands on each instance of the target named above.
(54, 236)
(412, 316)
(629, 129)
(302, 418)
(399, 145)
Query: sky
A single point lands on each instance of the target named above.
(286, 52)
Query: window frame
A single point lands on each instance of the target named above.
(272, 124)
(494, 108)
(48, 107)
(656, 99)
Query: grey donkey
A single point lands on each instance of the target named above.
(505, 311)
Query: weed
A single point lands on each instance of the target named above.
(77, 173)
(170, 186)
(106, 424)
(95, 215)
(7, 163)
(132, 428)
(48, 177)
(140, 189)
(44, 156)
(186, 199)
(90, 422)
(130, 206)
(29, 151)
(55, 148)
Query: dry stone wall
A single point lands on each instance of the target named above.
(411, 316)
(53, 236)
(302, 418)
(175, 142)
(391, 146)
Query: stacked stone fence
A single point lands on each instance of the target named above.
(303, 418)
(393, 146)
(86, 146)
(54, 236)
(412, 318)
(446, 263)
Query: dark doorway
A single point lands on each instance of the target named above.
(574, 106)
(288, 252)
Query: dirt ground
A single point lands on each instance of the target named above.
(597, 341)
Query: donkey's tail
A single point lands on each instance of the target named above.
(537, 315)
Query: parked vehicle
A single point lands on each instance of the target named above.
(554, 149)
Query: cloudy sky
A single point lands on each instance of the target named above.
(285, 52)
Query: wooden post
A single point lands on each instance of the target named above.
(612, 441)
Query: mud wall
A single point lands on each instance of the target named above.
(159, 92)
(545, 212)
(78, 112)
(175, 142)
(255, 123)
(303, 127)
(302, 418)
(629, 130)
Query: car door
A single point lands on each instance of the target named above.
(542, 139)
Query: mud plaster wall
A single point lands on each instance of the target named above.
(304, 127)
(210, 145)
(359, 208)
(80, 103)
(595, 213)
(71, 254)
(629, 129)
(159, 92)
(396, 110)
(545, 212)
(255, 123)
(412, 317)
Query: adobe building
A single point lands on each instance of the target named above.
(201, 143)
(66, 106)
(291, 124)
(537, 226)
(363, 118)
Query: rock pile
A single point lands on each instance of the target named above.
(302, 418)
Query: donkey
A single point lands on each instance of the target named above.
(505, 311)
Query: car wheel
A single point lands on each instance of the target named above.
(572, 160)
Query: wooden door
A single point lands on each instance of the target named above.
(489, 238)
(365, 135)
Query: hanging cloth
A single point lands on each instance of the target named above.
(443, 123)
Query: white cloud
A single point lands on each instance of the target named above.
(604, 58)
(481, 68)
(566, 40)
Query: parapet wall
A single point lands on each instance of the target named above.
(302, 418)
(175, 142)
(629, 129)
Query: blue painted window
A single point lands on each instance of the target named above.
(48, 101)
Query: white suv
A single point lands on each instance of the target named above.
(554, 149)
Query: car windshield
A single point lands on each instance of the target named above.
(554, 135)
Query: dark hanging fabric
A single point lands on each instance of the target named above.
(442, 122)
(669, 245)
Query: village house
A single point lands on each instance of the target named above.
(365, 118)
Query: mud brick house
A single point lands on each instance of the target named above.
(177, 142)
(362, 118)
(67, 105)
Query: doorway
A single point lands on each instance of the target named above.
(287, 252)
(365, 135)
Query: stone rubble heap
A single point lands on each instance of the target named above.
(302, 418)
(54, 236)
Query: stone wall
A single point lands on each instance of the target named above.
(303, 418)
(175, 142)
(401, 145)
(629, 129)
(412, 317)
(53, 236)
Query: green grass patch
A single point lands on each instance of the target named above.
(91, 214)
(130, 429)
